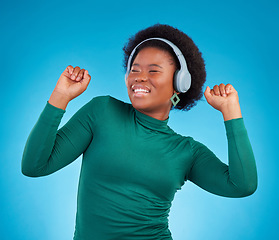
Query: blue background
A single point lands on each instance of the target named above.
(239, 42)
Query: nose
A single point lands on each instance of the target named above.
(141, 77)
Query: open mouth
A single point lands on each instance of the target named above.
(140, 89)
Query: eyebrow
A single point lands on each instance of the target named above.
(150, 65)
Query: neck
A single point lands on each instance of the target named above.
(160, 115)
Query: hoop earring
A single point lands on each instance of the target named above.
(175, 99)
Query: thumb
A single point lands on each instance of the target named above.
(207, 94)
(86, 78)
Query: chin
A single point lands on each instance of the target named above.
(139, 102)
(141, 106)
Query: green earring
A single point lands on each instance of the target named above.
(175, 99)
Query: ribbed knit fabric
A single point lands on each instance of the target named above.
(132, 167)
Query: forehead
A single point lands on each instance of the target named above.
(153, 54)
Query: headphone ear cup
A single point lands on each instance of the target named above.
(182, 81)
(175, 80)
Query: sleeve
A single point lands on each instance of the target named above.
(239, 177)
(48, 149)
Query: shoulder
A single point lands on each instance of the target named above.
(192, 144)
(107, 106)
(181, 140)
(107, 101)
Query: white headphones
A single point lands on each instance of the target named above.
(182, 77)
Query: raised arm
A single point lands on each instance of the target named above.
(72, 83)
(239, 177)
(49, 149)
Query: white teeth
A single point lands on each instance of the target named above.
(140, 90)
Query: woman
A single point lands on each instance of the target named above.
(133, 163)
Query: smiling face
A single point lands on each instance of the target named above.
(150, 82)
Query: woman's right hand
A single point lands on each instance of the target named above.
(72, 83)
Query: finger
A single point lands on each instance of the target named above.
(222, 90)
(229, 88)
(80, 75)
(208, 94)
(216, 90)
(86, 78)
(75, 73)
(70, 69)
(67, 71)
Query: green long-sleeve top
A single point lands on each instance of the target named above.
(132, 167)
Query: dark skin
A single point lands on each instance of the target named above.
(152, 70)
(149, 85)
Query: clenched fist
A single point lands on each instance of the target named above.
(72, 83)
(225, 99)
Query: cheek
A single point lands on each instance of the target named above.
(128, 82)
(167, 85)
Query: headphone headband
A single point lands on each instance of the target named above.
(182, 78)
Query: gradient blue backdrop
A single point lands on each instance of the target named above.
(239, 41)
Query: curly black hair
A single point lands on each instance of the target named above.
(190, 51)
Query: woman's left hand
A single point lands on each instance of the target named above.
(225, 99)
